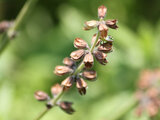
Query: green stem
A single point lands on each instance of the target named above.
(18, 22)
(79, 68)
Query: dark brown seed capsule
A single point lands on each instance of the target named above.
(67, 107)
(41, 96)
(90, 24)
(102, 11)
(67, 83)
(56, 89)
(101, 57)
(68, 61)
(89, 75)
(88, 60)
(62, 70)
(78, 54)
(80, 43)
(112, 24)
(81, 85)
(105, 47)
(103, 29)
(94, 38)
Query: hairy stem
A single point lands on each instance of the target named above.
(18, 22)
(79, 68)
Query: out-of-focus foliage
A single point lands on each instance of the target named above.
(47, 37)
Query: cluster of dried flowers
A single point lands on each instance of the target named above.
(79, 65)
(148, 93)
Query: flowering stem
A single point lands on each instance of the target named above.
(79, 68)
(19, 20)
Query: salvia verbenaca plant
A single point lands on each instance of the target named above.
(79, 65)
(148, 93)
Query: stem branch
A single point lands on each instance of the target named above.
(18, 22)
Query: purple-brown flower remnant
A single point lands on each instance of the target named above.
(55, 90)
(79, 67)
(148, 94)
(5, 25)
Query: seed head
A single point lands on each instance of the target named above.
(90, 24)
(56, 89)
(78, 54)
(80, 43)
(103, 29)
(68, 61)
(105, 47)
(67, 107)
(101, 57)
(102, 11)
(68, 82)
(112, 24)
(88, 60)
(89, 75)
(62, 70)
(81, 85)
(41, 96)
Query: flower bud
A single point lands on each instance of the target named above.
(68, 61)
(112, 24)
(56, 89)
(89, 75)
(62, 70)
(105, 47)
(103, 29)
(101, 57)
(88, 60)
(90, 24)
(80, 43)
(67, 107)
(153, 92)
(78, 54)
(94, 38)
(68, 82)
(102, 11)
(81, 85)
(41, 96)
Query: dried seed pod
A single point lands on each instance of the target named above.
(68, 61)
(105, 47)
(103, 29)
(4, 25)
(81, 85)
(78, 54)
(41, 96)
(80, 43)
(112, 24)
(102, 11)
(89, 75)
(94, 38)
(101, 57)
(56, 89)
(62, 70)
(90, 24)
(88, 60)
(67, 107)
(68, 82)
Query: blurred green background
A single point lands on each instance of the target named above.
(46, 37)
